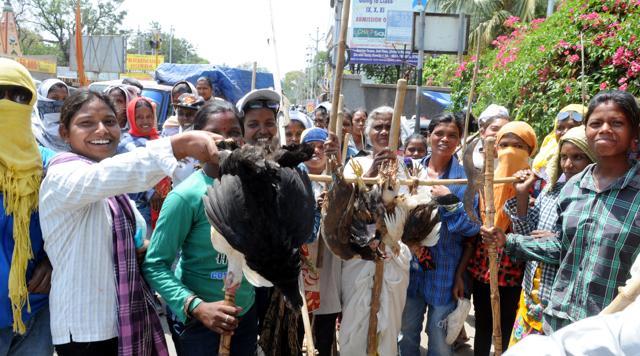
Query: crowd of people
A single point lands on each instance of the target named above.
(103, 214)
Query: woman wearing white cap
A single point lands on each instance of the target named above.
(258, 110)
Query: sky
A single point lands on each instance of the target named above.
(237, 31)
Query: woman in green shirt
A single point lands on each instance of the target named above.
(194, 292)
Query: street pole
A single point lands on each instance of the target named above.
(171, 45)
(420, 39)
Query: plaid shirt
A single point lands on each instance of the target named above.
(436, 284)
(599, 239)
(542, 216)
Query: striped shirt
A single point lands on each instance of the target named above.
(77, 231)
(599, 239)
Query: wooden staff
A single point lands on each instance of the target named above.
(340, 117)
(376, 291)
(337, 81)
(428, 182)
(225, 340)
(345, 147)
(626, 295)
(489, 146)
(471, 93)
(308, 335)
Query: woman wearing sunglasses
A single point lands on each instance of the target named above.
(258, 110)
(570, 116)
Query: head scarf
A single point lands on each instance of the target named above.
(131, 118)
(20, 175)
(510, 161)
(549, 146)
(578, 137)
(130, 92)
(46, 119)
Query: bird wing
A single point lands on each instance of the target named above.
(420, 224)
(224, 207)
(474, 181)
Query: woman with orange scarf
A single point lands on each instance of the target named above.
(515, 143)
(141, 116)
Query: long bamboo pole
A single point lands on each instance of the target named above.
(225, 340)
(490, 211)
(306, 323)
(398, 108)
(428, 182)
(626, 295)
(471, 93)
(337, 87)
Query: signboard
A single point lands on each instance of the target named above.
(378, 32)
(36, 65)
(101, 54)
(443, 33)
(143, 62)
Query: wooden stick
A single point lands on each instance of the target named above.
(489, 146)
(225, 340)
(340, 118)
(308, 333)
(375, 180)
(398, 108)
(337, 81)
(372, 335)
(626, 295)
(471, 93)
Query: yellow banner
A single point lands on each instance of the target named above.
(143, 62)
(35, 65)
(137, 75)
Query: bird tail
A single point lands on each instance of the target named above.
(292, 155)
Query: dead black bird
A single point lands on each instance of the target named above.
(261, 212)
(475, 180)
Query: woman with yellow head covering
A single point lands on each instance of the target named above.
(24, 269)
(529, 223)
(570, 116)
(515, 144)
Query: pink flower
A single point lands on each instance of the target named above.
(563, 44)
(623, 87)
(622, 80)
(605, 8)
(511, 21)
(573, 58)
(567, 89)
(541, 48)
(603, 86)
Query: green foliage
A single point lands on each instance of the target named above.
(55, 20)
(536, 69)
(294, 86)
(439, 71)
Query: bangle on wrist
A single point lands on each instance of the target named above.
(186, 308)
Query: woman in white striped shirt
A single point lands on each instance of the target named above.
(99, 303)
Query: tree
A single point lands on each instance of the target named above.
(294, 86)
(55, 20)
(182, 51)
(537, 69)
(488, 16)
(32, 44)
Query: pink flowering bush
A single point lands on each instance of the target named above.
(536, 69)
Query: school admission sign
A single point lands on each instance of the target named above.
(380, 32)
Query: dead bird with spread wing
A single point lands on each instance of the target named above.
(261, 212)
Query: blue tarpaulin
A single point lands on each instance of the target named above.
(444, 99)
(230, 83)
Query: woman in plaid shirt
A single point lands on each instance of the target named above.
(598, 228)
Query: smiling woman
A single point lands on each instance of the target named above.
(88, 226)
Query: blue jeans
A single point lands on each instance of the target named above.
(195, 339)
(35, 342)
(412, 318)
